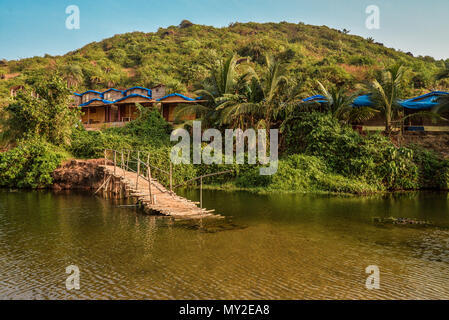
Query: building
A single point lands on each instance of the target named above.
(115, 107)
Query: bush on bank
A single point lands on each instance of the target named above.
(30, 164)
(371, 159)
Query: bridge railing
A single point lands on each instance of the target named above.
(123, 161)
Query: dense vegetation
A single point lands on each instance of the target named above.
(253, 76)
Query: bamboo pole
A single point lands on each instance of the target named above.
(138, 170)
(115, 160)
(123, 163)
(105, 157)
(149, 178)
(201, 192)
(171, 176)
(127, 162)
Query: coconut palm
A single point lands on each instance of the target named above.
(444, 73)
(222, 81)
(443, 101)
(386, 93)
(73, 74)
(339, 104)
(264, 98)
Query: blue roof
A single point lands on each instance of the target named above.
(92, 100)
(363, 101)
(429, 96)
(425, 101)
(132, 95)
(149, 97)
(316, 98)
(113, 89)
(146, 89)
(88, 91)
(177, 95)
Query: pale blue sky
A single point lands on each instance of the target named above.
(29, 28)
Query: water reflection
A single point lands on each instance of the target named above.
(268, 247)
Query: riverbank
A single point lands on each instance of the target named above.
(318, 154)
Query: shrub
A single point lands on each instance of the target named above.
(302, 173)
(372, 159)
(30, 164)
(433, 171)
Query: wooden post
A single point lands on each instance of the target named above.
(115, 160)
(171, 176)
(149, 178)
(201, 192)
(138, 170)
(123, 163)
(105, 159)
(127, 162)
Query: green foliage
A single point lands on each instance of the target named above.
(41, 111)
(361, 60)
(302, 173)
(372, 159)
(149, 130)
(30, 164)
(433, 171)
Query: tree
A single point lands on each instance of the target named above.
(444, 73)
(42, 110)
(222, 81)
(386, 91)
(339, 104)
(73, 74)
(443, 101)
(265, 97)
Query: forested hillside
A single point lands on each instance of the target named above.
(179, 56)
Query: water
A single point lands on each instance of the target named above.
(269, 247)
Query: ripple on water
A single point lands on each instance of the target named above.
(309, 254)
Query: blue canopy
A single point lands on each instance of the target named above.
(363, 101)
(316, 98)
(423, 102)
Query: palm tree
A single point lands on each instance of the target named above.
(339, 104)
(264, 97)
(444, 73)
(443, 101)
(222, 82)
(387, 91)
(73, 74)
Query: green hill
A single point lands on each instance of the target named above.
(179, 56)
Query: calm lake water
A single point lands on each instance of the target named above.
(269, 247)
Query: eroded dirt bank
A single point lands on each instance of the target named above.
(79, 175)
(437, 141)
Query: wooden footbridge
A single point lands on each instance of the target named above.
(127, 175)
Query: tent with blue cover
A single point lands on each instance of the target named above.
(424, 102)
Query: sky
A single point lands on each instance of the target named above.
(33, 28)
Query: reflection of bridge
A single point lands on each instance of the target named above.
(127, 176)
